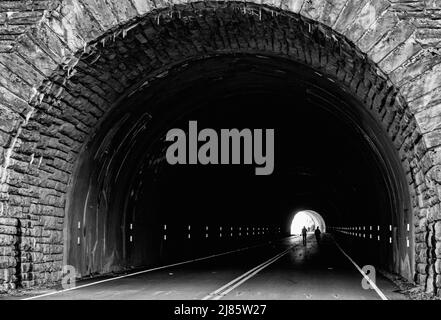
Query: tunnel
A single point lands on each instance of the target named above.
(87, 182)
(330, 153)
(309, 219)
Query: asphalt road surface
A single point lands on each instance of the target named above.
(282, 269)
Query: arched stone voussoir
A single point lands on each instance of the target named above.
(374, 26)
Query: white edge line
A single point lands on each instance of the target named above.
(145, 271)
(381, 294)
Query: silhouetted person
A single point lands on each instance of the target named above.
(304, 231)
(317, 234)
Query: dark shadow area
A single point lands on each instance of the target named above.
(18, 256)
(330, 156)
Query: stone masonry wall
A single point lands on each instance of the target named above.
(63, 64)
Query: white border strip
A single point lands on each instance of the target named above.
(381, 294)
(149, 270)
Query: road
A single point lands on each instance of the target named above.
(282, 269)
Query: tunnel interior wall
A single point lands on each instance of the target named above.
(122, 157)
(319, 221)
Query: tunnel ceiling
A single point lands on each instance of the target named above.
(70, 85)
(321, 138)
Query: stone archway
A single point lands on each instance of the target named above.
(61, 78)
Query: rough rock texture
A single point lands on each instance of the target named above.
(61, 69)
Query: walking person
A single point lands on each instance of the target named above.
(304, 231)
(317, 233)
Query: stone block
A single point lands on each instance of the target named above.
(399, 34)
(438, 231)
(421, 268)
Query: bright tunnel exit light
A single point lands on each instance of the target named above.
(301, 219)
(309, 219)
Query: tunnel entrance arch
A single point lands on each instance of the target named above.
(81, 101)
(128, 138)
(300, 219)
